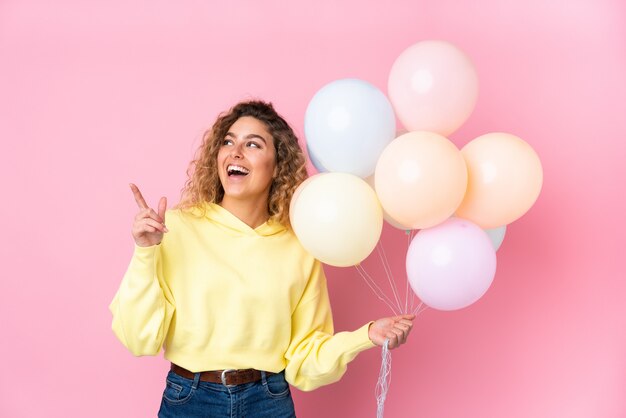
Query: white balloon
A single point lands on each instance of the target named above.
(347, 125)
(318, 166)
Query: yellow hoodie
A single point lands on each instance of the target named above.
(218, 294)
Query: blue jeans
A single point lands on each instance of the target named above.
(269, 397)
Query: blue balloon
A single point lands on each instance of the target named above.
(347, 125)
(318, 166)
(496, 235)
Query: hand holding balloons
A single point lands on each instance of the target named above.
(395, 329)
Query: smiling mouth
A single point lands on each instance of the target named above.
(237, 170)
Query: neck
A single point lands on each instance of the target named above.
(252, 213)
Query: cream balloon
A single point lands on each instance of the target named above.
(337, 218)
(505, 178)
(420, 179)
(296, 194)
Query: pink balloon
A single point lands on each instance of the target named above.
(433, 87)
(450, 266)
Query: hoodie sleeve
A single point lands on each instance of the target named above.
(143, 305)
(315, 357)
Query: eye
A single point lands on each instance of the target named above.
(253, 144)
(227, 141)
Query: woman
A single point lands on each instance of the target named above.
(239, 306)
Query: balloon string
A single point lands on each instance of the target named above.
(412, 299)
(396, 307)
(390, 278)
(384, 380)
(420, 308)
(406, 289)
(377, 291)
(410, 295)
(384, 377)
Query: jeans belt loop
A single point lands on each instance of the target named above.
(196, 380)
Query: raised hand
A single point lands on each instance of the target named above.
(149, 226)
(396, 329)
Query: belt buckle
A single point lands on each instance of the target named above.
(224, 377)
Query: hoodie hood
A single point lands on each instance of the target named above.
(229, 222)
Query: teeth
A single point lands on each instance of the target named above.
(232, 168)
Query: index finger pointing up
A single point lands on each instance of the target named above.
(138, 197)
(162, 207)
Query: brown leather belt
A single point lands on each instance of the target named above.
(228, 377)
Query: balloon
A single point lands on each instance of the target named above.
(318, 165)
(496, 235)
(296, 194)
(347, 125)
(371, 182)
(433, 86)
(504, 179)
(337, 218)
(450, 266)
(420, 179)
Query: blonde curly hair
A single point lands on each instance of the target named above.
(203, 183)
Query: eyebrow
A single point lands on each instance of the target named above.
(249, 136)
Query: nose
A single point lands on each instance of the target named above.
(237, 151)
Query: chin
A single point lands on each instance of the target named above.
(233, 193)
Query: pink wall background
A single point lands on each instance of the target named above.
(95, 96)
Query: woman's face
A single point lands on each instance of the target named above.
(246, 160)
